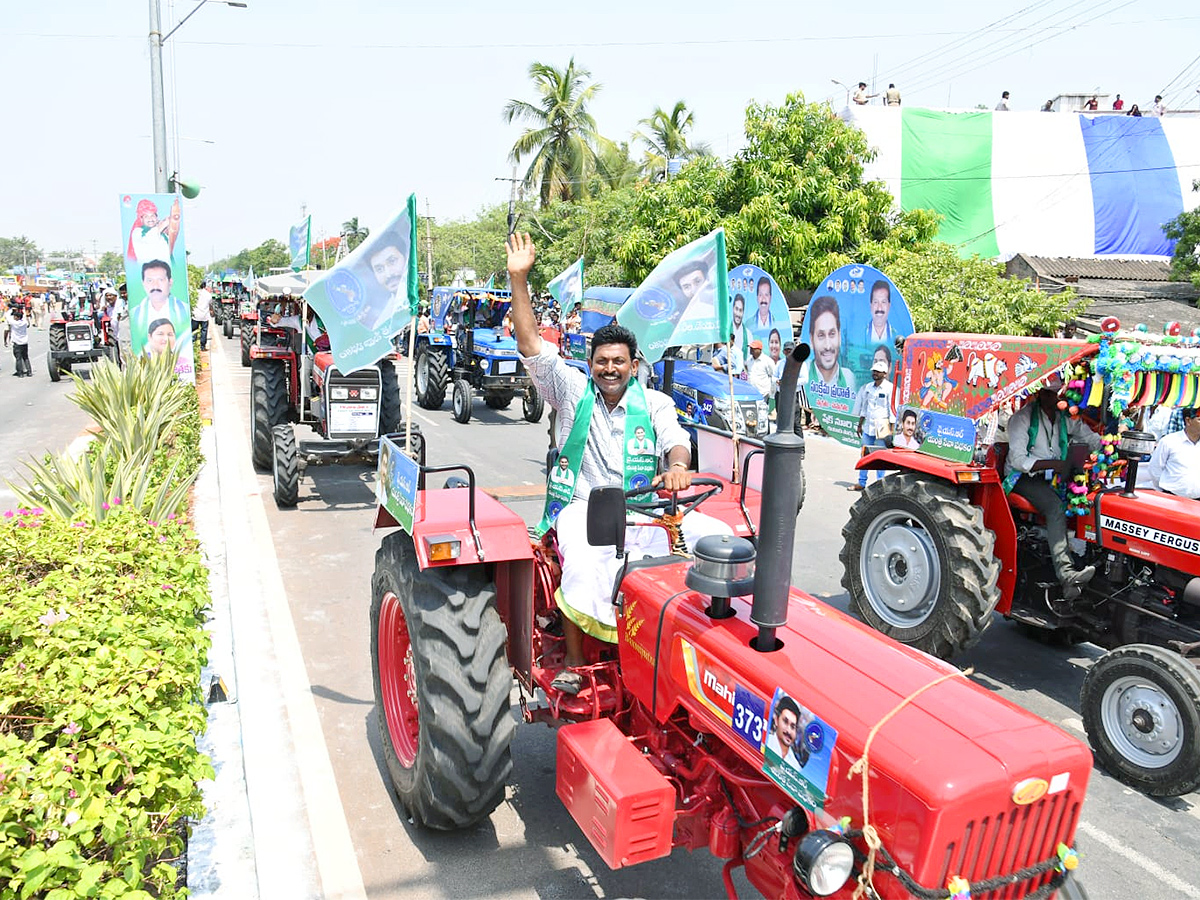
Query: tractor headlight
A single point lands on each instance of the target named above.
(369, 393)
(823, 862)
(485, 365)
(339, 393)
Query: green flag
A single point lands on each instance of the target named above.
(299, 244)
(567, 288)
(684, 301)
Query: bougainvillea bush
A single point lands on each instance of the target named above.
(102, 641)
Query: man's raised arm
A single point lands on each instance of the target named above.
(520, 260)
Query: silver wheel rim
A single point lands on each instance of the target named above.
(1142, 722)
(422, 373)
(460, 399)
(900, 570)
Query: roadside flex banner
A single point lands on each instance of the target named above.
(371, 295)
(758, 312)
(684, 301)
(852, 322)
(300, 243)
(160, 316)
(567, 287)
(396, 484)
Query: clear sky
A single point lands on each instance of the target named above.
(349, 105)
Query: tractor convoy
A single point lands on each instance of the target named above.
(932, 550)
(734, 713)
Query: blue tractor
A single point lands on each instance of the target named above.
(467, 350)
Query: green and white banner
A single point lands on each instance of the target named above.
(300, 243)
(684, 301)
(371, 295)
(567, 287)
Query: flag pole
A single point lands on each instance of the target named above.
(408, 383)
(737, 469)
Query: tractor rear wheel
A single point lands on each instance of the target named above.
(501, 400)
(227, 328)
(442, 684)
(431, 376)
(532, 404)
(247, 335)
(285, 466)
(1141, 711)
(268, 408)
(389, 398)
(918, 564)
(461, 401)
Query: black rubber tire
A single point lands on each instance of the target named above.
(285, 469)
(430, 376)
(247, 335)
(268, 408)
(462, 685)
(58, 343)
(942, 556)
(499, 401)
(227, 328)
(1124, 683)
(461, 401)
(389, 398)
(55, 374)
(532, 404)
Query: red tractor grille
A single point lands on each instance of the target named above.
(1011, 840)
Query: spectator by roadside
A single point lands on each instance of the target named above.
(873, 406)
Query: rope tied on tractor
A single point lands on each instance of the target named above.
(1064, 860)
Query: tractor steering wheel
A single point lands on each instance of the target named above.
(672, 504)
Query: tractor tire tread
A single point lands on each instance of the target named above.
(268, 408)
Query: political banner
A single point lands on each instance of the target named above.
(300, 244)
(160, 314)
(938, 434)
(397, 477)
(852, 322)
(758, 312)
(371, 295)
(684, 301)
(567, 287)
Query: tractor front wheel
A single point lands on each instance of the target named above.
(532, 404)
(286, 466)
(442, 685)
(918, 564)
(461, 401)
(247, 336)
(501, 400)
(1141, 711)
(431, 376)
(55, 371)
(268, 408)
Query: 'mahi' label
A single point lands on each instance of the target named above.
(1153, 535)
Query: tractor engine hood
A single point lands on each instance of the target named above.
(953, 765)
(1152, 526)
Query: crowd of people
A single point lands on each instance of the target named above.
(891, 97)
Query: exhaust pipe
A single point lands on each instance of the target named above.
(777, 523)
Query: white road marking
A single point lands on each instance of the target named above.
(1182, 888)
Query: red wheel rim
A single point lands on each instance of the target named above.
(398, 680)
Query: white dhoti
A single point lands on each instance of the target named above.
(588, 572)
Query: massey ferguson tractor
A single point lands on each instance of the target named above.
(476, 356)
(932, 550)
(733, 713)
(74, 341)
(293, 382)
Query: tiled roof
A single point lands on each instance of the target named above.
(1098, 267)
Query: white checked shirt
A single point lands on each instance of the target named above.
(562, 386)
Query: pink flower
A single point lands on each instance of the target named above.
(171, 516)
(8, 514)
(79, 524)
(166, 587)
(72, 728)
(73, 794)
(104, 505)
(153, 524)
(37, 510)
(116, 501)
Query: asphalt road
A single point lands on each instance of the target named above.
(1131, 845)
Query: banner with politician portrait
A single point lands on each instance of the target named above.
(300, 244)
(758, 312)
(371, 295)
(851, 323)
(160, 313)
(567, 287)
(684, 301)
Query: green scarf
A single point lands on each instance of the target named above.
(641, 460)
(1035, 427)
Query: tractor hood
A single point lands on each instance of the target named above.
(705, 378)
(1152, 526)
(951, 760)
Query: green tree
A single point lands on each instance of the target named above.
(665, 136)
(18, 251)
(562, 143)
(591, 228)
(354, 233)
(476, 244)
(112, 264)
(1185, 230)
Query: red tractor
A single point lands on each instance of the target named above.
(934, 549)
(730, 711)
(292, 381)
(76, 339)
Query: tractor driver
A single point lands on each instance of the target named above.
(595, 415)
(1038, 437)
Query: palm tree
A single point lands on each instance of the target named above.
(561, 142)
(665, 137)
(353, 234)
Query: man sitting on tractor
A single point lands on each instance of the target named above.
(1038, 437)
(598, 418)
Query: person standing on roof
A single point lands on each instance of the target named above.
(891, 97)
(1003, 106)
